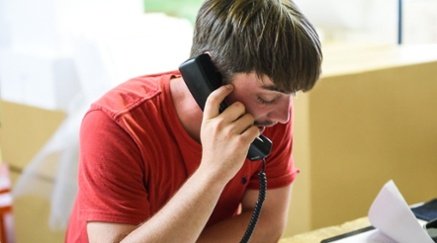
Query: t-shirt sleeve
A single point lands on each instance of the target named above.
(280, 168)
(111, 180)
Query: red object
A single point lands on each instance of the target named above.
(7, 233)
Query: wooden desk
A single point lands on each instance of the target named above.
(317, 235)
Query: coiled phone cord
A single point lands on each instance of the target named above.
(257, 210)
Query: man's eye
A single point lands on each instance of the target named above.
(264, 101)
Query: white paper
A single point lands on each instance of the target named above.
(391, 215)
(393, 220)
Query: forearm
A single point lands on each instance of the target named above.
(183, 218)
(271, 223)
(233, 229)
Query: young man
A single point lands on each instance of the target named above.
(155, 168)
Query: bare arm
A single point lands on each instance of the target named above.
(181, 219)
(225, 140)
(270, 226)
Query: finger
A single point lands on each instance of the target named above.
(242, 123)
(215, 99)
(233, 112)
(250, 134)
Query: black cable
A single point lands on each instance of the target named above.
(257, 210)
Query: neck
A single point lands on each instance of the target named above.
(187, 109)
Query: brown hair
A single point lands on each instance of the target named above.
(270, 37)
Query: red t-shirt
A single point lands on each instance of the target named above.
(135, 154)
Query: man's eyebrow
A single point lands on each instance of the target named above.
(273, 87)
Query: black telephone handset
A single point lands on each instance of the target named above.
(201, 77)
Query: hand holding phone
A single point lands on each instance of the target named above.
(202, 78)
(225, 136)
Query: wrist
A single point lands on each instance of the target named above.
(211, 176)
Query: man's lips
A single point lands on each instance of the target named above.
(262, 126)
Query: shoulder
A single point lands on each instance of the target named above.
(132, 93)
